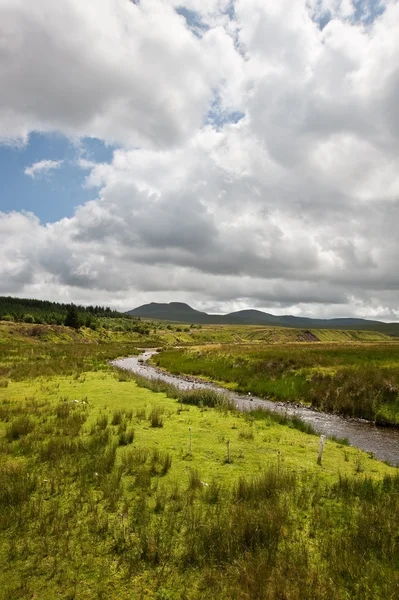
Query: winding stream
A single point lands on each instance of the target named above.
(383, 442)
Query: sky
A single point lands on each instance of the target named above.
(229, 154)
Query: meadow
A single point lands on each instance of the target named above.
(357, 380)
(109, 489)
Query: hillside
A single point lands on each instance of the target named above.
(183, 313)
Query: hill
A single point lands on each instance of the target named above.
(183, 313)
(174, 311)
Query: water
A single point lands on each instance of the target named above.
(382, 442)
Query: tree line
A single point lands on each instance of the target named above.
(22, 310)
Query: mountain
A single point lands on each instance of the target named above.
(174, 311)
(183, 313)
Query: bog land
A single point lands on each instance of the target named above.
(112, 490)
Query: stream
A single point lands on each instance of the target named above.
(382, 442)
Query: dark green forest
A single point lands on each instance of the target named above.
(22, 310)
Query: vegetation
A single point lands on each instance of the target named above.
(359, 380)
(42, 312)
(53, 313)
(115, 491)
(116, 487)
(237, 327)
(72, 318)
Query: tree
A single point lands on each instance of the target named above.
(72, 317)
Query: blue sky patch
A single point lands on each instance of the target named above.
(51, 195)
(366, 12)
(218, 117)
(193, 20)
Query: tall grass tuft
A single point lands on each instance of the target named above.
(205, 397)
(267, 486)
(17, 484)
(156, 418)
(117, 417)
(19, 427)
(126, 437)
(194, 480)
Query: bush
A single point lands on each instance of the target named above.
(28, 319)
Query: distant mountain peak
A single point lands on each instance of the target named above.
(180, 312)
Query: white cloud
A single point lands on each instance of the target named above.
(293, 207)
(123, 72)
(42, 167)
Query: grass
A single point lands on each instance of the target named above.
(358, 380)
(166, 334)
(97, 500)
(77, 502)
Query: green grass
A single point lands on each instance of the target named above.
(82, 514)
(110, 490)
(164, 334)
(360, 380)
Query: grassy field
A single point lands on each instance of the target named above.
(111, 490)
(359, 380)
(168, 334)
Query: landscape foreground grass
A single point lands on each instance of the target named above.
(110, 490)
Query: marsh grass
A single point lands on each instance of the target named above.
(85, 516)
(294, 422)
(19, 427)
(194, 480)
(156, 417)
(126, 438)
(117, 417)
(87, 501)
(19, 361)
(246, 435)
(358, 380)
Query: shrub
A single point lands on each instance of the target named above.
(28, 319)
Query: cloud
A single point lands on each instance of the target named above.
(291, 207)
(122, 72)
(42, 167)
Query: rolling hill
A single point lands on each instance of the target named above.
(179, 312)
